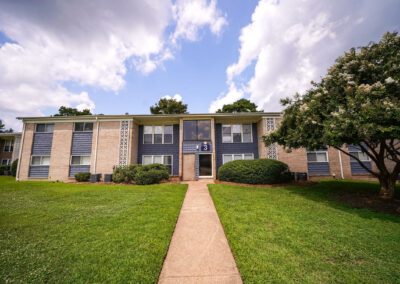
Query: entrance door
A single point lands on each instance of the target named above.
(205, 165)
(189, 167)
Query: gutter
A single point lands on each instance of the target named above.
(341, 165)
(97, 143)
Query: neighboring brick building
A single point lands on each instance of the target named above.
(191, 145)
(9, 147)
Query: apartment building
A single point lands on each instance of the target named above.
(192, 146)
(9, 147)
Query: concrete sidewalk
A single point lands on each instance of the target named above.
(199, 251)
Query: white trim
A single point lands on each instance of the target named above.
(212, 165)
(162, 134)
(162, 157)
(233, 155)
(241, 132)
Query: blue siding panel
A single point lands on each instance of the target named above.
(318, 169)
(357, 169)
(354, 148)
(78, 169)
(161, 149)
(39, 171)
(234, 148)
(42, 143)
(81, 143)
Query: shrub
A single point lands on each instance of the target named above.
(262, 171)
(14, 166)
(81, 177)
(3, 169)
(124, 173)
(151, 174)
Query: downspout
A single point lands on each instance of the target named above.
(97, 143)
(20, 151)
(341, 165)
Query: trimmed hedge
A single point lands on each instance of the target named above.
(82, 177)
(262, 171)
(138, 174)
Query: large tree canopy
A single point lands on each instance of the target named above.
(69, 111)
(168, 106)
(356, 103)
(242, 105)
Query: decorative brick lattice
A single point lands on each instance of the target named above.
(124, 143)
(270, 124)
(272, 153)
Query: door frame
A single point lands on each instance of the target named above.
(212, 165)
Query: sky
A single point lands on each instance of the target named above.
(122, 56)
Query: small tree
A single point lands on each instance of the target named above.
(3, 130)
(242, 105)
(168, 106)
(356, 103)
(69, 111)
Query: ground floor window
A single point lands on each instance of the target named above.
(158, 159)
(40, 161)
(5, 162)
(80, 160)
(320, 155)
(233, 157)
(362, 156)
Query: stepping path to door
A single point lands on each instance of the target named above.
(199, 251)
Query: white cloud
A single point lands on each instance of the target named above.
(231, 96)
(88, 43)
(176, 97)
(191, 16)
(290, 43)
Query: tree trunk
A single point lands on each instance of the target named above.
(387, 188)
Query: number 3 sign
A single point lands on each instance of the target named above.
(205, 146)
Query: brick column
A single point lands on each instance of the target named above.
(61, 151)
(26, 150)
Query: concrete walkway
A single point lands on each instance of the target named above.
(199, 251)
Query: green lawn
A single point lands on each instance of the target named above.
(303, 234)
(63, 233)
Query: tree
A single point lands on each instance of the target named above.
(69, 111)
(242, 105)
(3, 130)
(356, 103)
(168, 106)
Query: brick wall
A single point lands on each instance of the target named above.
(26, 148)
(61, 151)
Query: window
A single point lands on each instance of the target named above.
(196, 130)
(319, 156)
(5, 162)
(270, 124)
(84, 126)
(158, 159)
(40, 161)
(80, 160)
(362, 156)
(237, 133)
(233, 157)
(158, 134)
(44, 127)
(8, 145)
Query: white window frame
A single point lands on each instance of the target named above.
(233, 155)
(84, 124)
(318, 152)
(162, 156)
(357, 152)
(7, 162)
(9, 144)
(41, 159)
(45, 128)
(241, 132)
(163, 134)
(80, 160)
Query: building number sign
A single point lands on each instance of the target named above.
(205, 146)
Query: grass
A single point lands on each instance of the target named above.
(303, 234)
(63, 233)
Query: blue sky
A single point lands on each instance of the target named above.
(123, 56)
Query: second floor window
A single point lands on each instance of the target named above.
(237, 133)
(40, 161)
(197, 130)
(158, 134)
(8, 146)
(44, 127)
(80, 160)
(83, 126)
